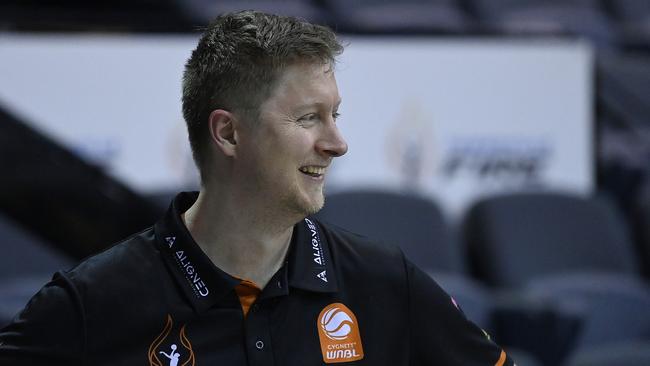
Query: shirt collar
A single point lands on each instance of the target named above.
(203, 283)
(309, 263)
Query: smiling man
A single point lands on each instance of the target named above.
(239, 273)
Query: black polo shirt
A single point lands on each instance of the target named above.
(156, 299)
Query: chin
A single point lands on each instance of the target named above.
(317, 206)
(311, 205)
(307, 205)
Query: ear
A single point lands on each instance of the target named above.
(223, 131)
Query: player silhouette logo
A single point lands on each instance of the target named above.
(171, 335)
(173, 356)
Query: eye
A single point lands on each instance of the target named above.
(336, 115)
(309, 117)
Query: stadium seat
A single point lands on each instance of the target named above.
(389, 16)
(624, 90)
(624, 139)
(523, 358)
(614, 308)
(633, 17)
(415, 223)
(516, 238)
(642, 228)
(203, 11)
(544, 329)
(567, 251)
(583, 18)
(634, 353)
(474, 299)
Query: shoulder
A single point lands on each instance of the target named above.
(133, 256)
(365, 259)
(383, 263)
(359, 247)
(127, 275)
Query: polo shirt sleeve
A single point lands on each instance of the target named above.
(48, 331)
(440, 332)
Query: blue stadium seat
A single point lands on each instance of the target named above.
(474, 299)
(390, 16)
(516, 238)
(633, 17)
(203, 11)
(584, 18)
(615, 308)
(634, 353)
(566, 251)
(624, 90)
(413, 222)
(417, 225)
(642, 228)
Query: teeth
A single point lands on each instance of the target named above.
(312, 170)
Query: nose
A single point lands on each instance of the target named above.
(332, 143)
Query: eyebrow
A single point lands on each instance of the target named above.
(317, 104)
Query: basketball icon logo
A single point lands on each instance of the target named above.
(336, 323)
(338, 331)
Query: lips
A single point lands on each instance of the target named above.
(313, 170)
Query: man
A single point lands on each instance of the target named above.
(239, 274)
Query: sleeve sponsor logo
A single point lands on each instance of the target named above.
(167, 340)
(339, 335)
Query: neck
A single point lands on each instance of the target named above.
(241, 238)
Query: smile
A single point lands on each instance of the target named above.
(314, 171)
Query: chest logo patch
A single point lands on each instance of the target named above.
(338, 331)
(165, 347)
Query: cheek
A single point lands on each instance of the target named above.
(295, 147)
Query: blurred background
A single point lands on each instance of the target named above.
(503, 144)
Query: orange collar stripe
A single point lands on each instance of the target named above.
(247, 291)
(502, 359)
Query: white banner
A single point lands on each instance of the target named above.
(461, 119)
(453, 119)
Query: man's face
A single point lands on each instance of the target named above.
(285, 155)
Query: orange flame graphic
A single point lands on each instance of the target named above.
(153, 358)
(188, 346)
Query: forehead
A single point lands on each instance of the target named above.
(306, 69)
(303, 84)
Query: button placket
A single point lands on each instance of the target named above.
(260, 350)
(259, 345)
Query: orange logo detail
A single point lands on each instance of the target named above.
(338, 330)
(173, 357)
